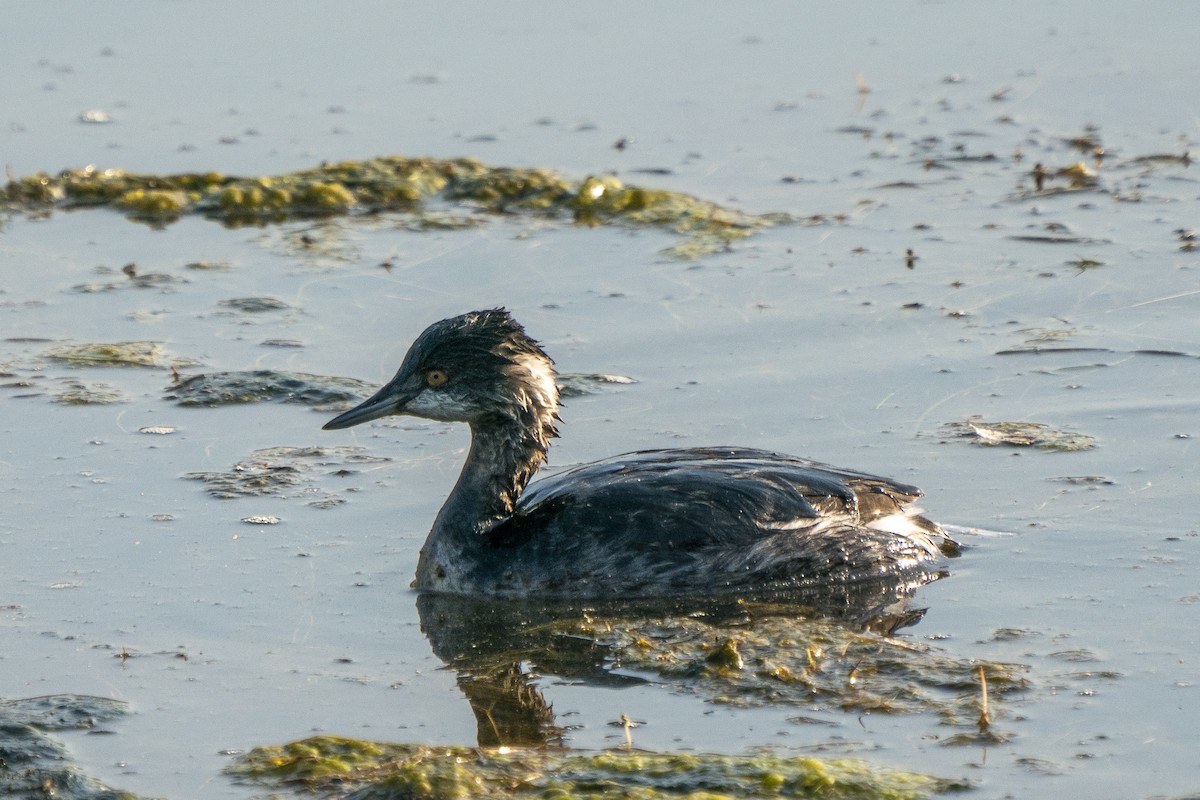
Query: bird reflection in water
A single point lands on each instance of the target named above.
(500, 651)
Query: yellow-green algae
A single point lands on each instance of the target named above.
(391, 183)
(153, 203)
(332, 766)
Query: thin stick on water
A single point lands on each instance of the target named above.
(985, 718)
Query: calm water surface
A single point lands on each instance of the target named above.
(798, 340)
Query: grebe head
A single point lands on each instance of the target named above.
(481, 368)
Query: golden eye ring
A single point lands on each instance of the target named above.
(436, 377)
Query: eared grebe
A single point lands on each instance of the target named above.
(702, 521)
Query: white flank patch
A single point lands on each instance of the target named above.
(794, 524)
(899, 524)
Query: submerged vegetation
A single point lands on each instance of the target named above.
(388, 184)
(788, 660)
(331, 766)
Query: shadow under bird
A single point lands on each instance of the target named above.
(697, 521)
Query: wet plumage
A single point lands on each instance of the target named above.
(647, 524)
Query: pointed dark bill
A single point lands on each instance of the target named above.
(391, 399)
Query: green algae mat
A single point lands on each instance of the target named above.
(414, 186)
(331, 766)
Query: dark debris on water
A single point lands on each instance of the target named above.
(213, 389)
(255, 305)
(35, 765)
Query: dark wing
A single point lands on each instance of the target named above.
(771, 488)
(682, 516)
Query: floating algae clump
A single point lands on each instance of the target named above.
(331, 766)
(254, 199)
(153, 202)
(78, 393)
(332, 196)
(284, 471)
(505, 188)
(710, 227)
(90, 186)
(261, 385)
(116, 354)
(1018, 434)
(392, 183)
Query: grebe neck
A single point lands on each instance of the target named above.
(505, 453)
